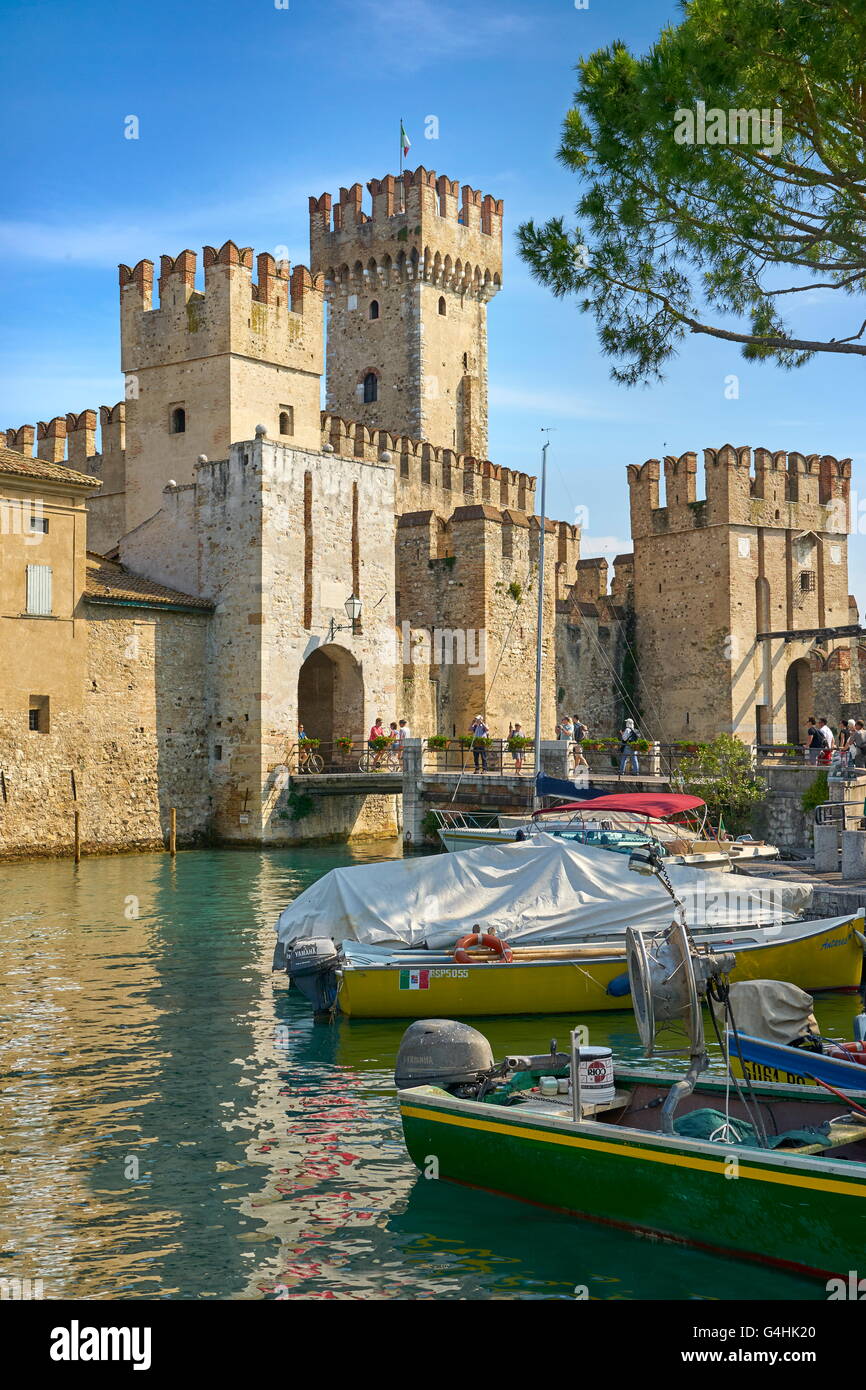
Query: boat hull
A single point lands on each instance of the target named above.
(794, 1066)
(828, 958)
(801, 1213)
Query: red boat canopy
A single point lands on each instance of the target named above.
(657, 804)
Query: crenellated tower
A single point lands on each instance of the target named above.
(203, 369)
(737, 592)
(407, 286)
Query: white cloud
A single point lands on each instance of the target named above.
(148, 234)
(415, 33)
(591, 547)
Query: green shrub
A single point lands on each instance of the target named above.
(299, 805)
(430, 826)
(721, 773)
(816, 793)
(437, 741)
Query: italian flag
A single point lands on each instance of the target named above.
(414, 979)
(405, 142)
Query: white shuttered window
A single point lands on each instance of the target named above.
(39, 589)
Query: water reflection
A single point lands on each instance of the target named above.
(176, 1126)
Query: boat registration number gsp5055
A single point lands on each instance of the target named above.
(420, 979)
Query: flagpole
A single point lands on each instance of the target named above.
(540, 624)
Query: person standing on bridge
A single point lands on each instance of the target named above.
(479, 731)
(627, 751)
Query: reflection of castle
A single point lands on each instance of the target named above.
(233, 520)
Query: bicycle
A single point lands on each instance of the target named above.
(385, 760)
(309, 761)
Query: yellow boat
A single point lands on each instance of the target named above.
(816, 955)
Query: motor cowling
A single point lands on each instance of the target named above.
(312, 967)
(440, 1052)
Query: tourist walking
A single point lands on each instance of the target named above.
(580, 733)
(627, 751)
(815, 742)
(858, 743)
(516, 745)
(829, 738)
(846, 746)
(403, 732)
(479, 730)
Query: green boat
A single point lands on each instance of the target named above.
(763, 1171)
(801, 1207)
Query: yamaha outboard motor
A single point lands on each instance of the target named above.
(312, 966)
(439, 1052)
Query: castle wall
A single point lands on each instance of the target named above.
(124, 745)
(278, 538)
(764, 551)
(592, 629)
(468, 617)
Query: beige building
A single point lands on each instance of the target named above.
(739, 595)
(176, 566)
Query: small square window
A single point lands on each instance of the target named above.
(39, 524)
(807, 581)
(37, 719)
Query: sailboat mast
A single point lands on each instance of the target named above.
(540, 624)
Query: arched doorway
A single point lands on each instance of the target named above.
(331, 694)
(798, 699)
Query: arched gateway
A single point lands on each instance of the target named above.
(331, 694)
(798, 699)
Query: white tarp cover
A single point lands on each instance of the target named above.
(540, 890)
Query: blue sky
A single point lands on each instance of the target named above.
(245, 109)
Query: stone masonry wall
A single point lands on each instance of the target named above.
(135, 747)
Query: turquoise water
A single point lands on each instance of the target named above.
(176, 1126)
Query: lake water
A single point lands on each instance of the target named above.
(176, 1126)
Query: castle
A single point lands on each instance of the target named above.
(173, 601)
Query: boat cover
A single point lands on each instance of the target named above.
(772, 1009)
(659, 805)
(542, 890)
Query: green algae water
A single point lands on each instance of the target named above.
(175, 1126)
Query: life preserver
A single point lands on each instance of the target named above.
(856, 1051)
(488, 941)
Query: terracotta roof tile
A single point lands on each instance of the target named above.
(109, 582)
(11, 461)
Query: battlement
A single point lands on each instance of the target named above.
(424, 470)
(71, 439)
(787, 490)
(277, 317)
(417, 193)
(417, 231)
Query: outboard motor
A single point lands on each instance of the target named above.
(312, 966)
(439, 1052)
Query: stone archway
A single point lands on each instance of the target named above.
(798, 699)
(331, 694)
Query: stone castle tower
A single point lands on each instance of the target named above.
(407, 290)
(731, 593)
(203, 369)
